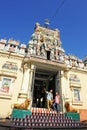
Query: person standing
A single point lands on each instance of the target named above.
(56, 104)
(44, 96)
(50, 99)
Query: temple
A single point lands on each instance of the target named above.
(25, 69)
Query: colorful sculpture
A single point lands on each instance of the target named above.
(69, 108)
(23, 105)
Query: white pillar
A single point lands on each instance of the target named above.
(25, 83)
(31, 83)
(28, 83)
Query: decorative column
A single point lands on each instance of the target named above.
(25, 84)
(62, 77)
(59, 88)
(31, 83)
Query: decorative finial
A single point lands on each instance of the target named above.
(47, 22)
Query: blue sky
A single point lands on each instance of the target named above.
(18, 18)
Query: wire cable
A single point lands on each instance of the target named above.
(60, 4)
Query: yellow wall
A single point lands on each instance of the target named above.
(6, 100)
(67, 88)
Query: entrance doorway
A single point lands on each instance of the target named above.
(43, 79)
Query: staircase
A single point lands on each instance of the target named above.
(44, 119)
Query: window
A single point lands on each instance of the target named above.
(76, 94)
(5, 86)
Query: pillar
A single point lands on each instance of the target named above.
(28, 83)
(31, 83)
(25, 83)
(59, 88)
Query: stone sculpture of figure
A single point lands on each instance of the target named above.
(43, 52)
(61, 57)
(73, 63)
(38, 49)
(80, 64)
(69, 108)
(55, 42)
(34, 50)
(67, 62)
(70, 61)
(76, 64)
(31, 50)
(52, 54)
(35, 42)
(23, 105)
(37, 24)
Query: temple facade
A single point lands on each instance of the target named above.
(25, 69)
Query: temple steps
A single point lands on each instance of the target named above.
(43, 118)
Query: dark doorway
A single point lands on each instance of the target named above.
(43, 79)
(48, 55)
